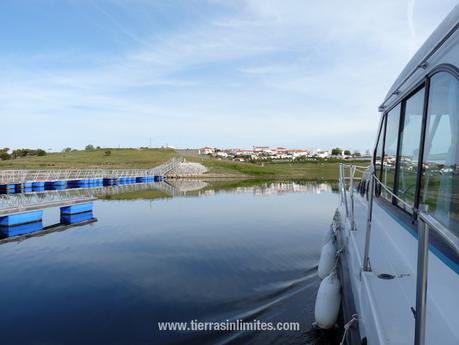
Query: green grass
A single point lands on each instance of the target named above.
(139, 195)
(309, 170)
(119, 158)
(148, 158)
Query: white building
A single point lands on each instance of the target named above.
(206, 150)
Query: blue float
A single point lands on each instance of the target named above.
(76, 218)
(73, 183)
(38, 184)
(56, 187)
(8, 231)
(21, 218)
(54, 183)
(77, 208)
(82, 183)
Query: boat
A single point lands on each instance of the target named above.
(394, 268)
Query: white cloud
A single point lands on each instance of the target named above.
(283, 73)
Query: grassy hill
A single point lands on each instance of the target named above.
(148, 158)
(118, 158)
(301, 170)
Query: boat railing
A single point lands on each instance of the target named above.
(425, 222)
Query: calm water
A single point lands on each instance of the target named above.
(247, 253)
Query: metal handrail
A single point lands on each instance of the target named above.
(21, 176)
(393, 195)
(426, 223)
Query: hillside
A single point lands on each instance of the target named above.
(149, 158)
(118, 158)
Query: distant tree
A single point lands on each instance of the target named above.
(347, 152)
(67, 149)
(5, 149)
(336, 151)
(41, 152)
(89, 148)
(20, 153)
(4, 156)
(357, 154)
(98, 148)
(107, 153)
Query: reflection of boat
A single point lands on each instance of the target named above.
(398, 228)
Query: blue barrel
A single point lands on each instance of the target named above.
(9, 231)
(21, 218)
(78, 208)
(38, 184)
(83, 183)
(76, 218)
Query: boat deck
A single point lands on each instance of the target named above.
(387, 306)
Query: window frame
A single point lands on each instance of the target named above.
(383, 153)
(423, 83)
(441, 242)
(401, 126)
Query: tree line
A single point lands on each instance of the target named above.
(339, 152)
(18, 153)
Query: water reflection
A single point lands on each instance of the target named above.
(227, 255)
(17, 230)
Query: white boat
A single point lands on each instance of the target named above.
(397, 225)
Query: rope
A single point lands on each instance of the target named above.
(347, 326)
(338, 254)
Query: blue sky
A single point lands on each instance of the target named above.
(195, 73)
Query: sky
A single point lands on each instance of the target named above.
(188, 73)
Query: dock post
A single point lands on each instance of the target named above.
(343, 174)
(421, 280)
(351, 191)
(371, 191)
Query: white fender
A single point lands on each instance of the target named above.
(327, 259)
(328, 301)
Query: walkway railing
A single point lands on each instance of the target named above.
(24, 200)
(21, 176)
(426, 223)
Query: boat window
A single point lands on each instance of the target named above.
(410, 138)
(390, 150)
(440, 174)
